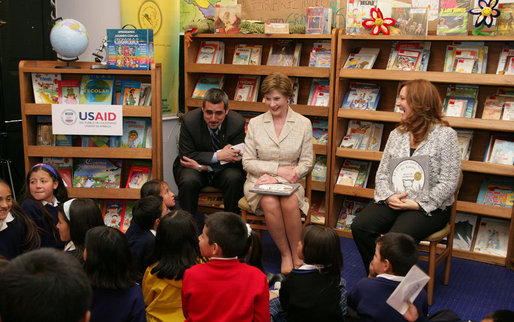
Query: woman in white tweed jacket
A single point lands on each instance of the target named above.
(421, 132)
(278, 148)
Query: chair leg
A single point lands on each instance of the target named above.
(431, 271)
(447, 266)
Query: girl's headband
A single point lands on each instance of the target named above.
(66, 208)
(46, 166)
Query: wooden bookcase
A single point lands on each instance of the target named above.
(475, 170)
(306, 74)
(29, 111)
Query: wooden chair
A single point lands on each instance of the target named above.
(209, 193)
(433, 258)
(258, 223)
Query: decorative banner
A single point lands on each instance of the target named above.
(86, 119)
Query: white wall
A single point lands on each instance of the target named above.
(97, 16)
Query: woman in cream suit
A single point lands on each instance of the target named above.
(278, 149)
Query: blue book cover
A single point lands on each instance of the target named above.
(362, 96)
(96, 173)
(134, 133)
(63, 140)
(130, 92)
(130, 48)
(96, 89)
(496, 192)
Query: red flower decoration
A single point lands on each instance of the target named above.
(378, 22)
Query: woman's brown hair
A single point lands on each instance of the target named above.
(425, 102)
(277, 81)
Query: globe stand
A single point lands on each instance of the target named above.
(68, 62)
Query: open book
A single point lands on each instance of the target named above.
(277, 189)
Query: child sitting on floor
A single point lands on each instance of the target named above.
(224, 289)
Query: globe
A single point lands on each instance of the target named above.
(69, 38)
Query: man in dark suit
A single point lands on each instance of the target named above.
(206, 138)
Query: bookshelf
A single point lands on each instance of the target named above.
(34, 153)
(306, 74)
(474, 169)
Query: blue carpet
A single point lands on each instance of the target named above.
(475, 289)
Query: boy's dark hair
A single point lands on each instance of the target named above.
(146, 211)
(400, 250)
(44, 285)
(176, 245)
(501, 316)
(321, 245)
(228, 230)
(109, 263)
(151, 188)
(84, 215)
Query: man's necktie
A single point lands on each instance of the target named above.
(216, 140)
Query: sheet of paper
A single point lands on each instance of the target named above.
(239, 147)
(408, 289)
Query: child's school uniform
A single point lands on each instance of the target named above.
(310, 295)
(12, 236)
(32, 209)
(225, 290)
(118, 305)
(369, 297)
(163, 298)
(141, 243)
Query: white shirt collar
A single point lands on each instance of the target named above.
(69, 246)
(3, 223)
(395, 278)
(153, 231)
(54, 203)
(224, 258)
(308, 267)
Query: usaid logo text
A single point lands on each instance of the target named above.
(97, 116)
(69, 117)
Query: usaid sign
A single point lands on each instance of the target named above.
(86, 119)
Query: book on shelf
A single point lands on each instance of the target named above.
(227, 18)
(206, 82)
(113, 213)
(248, 115)
(96, 173)
(410, 21)
(371, 133)
(465, 226)
(461, 100)
(362, 58)
(351, 141)
(129, 206)
(349, 210)
(492, 237)
(321, 54)
(319, 130)
(69, 91)
(407, 60)
(318, 20)
(134, 133)
(211, 52)
(506, 54)
(247, 55)
(130, 48)
(130, 92)
(466, 57)
(247, 88)
(276, 28)
(508, 111)
(145, 99)
(496, 192)
(319, 94)
(502, 152)
(284, 52)
(509, 66)
(356, 13)
(63, 140)
(296, 88)
(100, 141)
(493, 108)
(452, 18)
(96, 89)
(363, 167)
(505, 21)
(465, 139)
(45, 88)
(148, 136)
(361, 96)
(138, 176)
(347, 177)
(423, 47)
(44, 134)
(65, 168)
(410, 174)
(318, 211)
(319, 171)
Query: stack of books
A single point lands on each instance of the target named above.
(499, 106)
(409, 55)
(361, 96)
(363, 135)
(461, 101)
(211, 52)
(319, 130)
(506, 59)
(320, 54)
(247, 55)
(247, 88)
(466, 57)
(320, 92)
(354, 173)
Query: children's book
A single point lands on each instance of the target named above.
(296, 88)
(65, 168)
(247, 55)
(134, 132)
(44, 134)
(138, 176)
(493, 108)
(496, 192)
(129, 205)
(406, 60)
(227, 18)
(46, 88)
(100, 141)
(505, 22)
(371, 133)
(356, 12)
(113, 213)
(96, 173)
(148, 142)
(351, 141)
(508, 111)
(208, 52)
(423, 47)
(247, 88)
(146, 95)
(453, 17)
(465, 138)
(492, 237)
(349, 210)
(362, 58)
(206, 82)
(63, 140)
(347, 177)
(130, 92)
(362, 96)
(116, 94)
(410, 21)
(465, 225)
(318, 211)
(461, 100)
(319, 130)
(362, 166)
(282, 53)
(320, 92)
(69, 91)
(96, 89)
(321, 55)
(130, 48)
(318, 20)
(319, 172)
(502, 152)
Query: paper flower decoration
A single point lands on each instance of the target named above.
(378, 22)
(486, 11)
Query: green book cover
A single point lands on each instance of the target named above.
(96, 89)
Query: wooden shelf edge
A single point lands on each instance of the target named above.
(489, 168)
(33, 66)
(427, 37)
(485, 210)
(359, 154)
(320, 149)
(484, 258)
(354, 191)
(104, 193)
(480, 124)
(300, 71)
(265, 36)
(318, 185)
(377, 116)
(343, 233)
(128, 111)
(83, 152)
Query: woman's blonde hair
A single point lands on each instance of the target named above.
(277, 81)
(425, 102)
